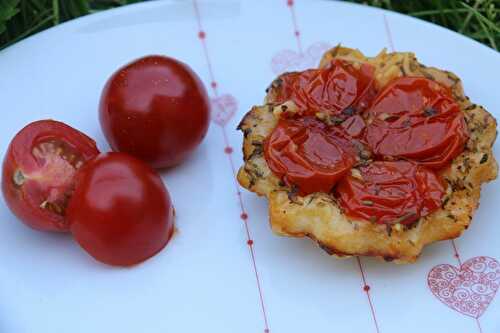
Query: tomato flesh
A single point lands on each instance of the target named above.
(332, 89)
(38, 172)
(120, 211)
(309, 154)
(416, 118)
(390, 192)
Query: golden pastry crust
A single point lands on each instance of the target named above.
(318, 215)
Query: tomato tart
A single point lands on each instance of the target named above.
(374, 156)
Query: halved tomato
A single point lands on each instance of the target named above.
(339, 89)
(38, 172)
(308, 154)
(390, 192)
(120, 212)
(416, 118)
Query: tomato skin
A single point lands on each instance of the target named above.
(354, 126)
(308, 154)
(39, 178)
(332, 89)
(416, 118)
(410, 129)
(155, 108)
(391, 192)
(120, 212)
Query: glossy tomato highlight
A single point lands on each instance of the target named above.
(155, 108)
(308, 154)
(120, 212)
(418, 119)
(38, 172)
(390, 192)
(340, 89)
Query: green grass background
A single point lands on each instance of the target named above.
(478, 19)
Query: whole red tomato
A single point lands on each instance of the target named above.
(155, 108)
(120, 212)
(38, 172)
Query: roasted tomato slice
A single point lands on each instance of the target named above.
(339, 89)
(390, 192)
(354, 126)
(38, 172)
(308, 154)
(418, 119)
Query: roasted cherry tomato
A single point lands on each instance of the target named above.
(120, 212)
(38, 172)
(354, 126)
(155, 108)
(418, 119)
(339, 89)
(309, 154)
(390, 192)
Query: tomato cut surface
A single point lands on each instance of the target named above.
(332, 89)
(390, 192)
(38, 172)
(418, 119)
(309, 154)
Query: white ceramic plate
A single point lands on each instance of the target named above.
(209, 279)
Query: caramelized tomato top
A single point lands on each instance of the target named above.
(390, 192)
(332, 89)
(401, 137)
(417, 119)
(308, 154)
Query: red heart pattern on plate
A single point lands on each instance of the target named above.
(223, 108)
(468, 289)
(289, 60)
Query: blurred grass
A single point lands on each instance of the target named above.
(22, 18)
(478, 19)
